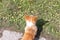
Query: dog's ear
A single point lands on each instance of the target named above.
(35, 18)
(26, 17)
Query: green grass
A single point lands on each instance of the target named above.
(12, 12)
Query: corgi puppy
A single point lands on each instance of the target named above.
(30, 29)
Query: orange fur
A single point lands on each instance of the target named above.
(30, 32)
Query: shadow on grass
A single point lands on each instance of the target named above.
(39, 25)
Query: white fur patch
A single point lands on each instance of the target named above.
(29, 24)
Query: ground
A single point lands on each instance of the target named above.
(12, 16)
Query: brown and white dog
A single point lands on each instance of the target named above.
(30, 29)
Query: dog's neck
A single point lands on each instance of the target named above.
(29, 24)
